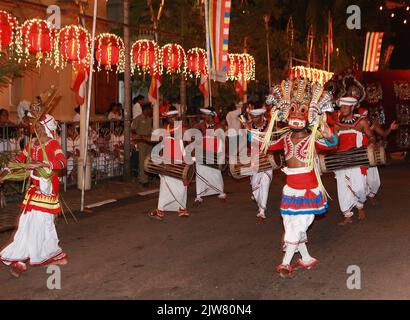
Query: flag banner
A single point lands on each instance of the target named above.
(217, 20)
(80, 72)
(372, 51)
(330, 47)
(156, 82)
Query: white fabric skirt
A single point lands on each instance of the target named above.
(209, 181)
(373, 181)
(260, 183)
(35, 240)
(296, 227)
(172, 194)
(351, 188)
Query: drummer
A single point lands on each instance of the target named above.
(172, 192)
(352, 129)
(209, 180)
(260, 181)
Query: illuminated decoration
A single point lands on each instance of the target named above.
(72, 45)
(109, 51)
(174, 58)
(37, 39)
(146, 57)
(314, 75)
(249, 67)
(241, 66)
(8, 30)
(197, 62)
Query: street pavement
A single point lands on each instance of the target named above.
(117, 252)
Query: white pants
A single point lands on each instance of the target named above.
(373, 181)
(209, 181)
(351, 189)
(260, 183)
(296, 227)
(172, 194)
(36, 240)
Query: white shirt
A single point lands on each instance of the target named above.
(232, 118)
(136, 110)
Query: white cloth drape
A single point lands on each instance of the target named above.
(172, 194)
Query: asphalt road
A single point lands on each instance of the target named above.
(220, 253)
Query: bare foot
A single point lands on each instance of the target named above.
(361, 214)
(260, 220)
(373, 201)
(345, 221)
(285, 272)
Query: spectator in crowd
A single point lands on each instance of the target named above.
(142, 125)
(73, 149)
(77, 117)
(115, 112)
(117, 144)
(4, 117)
(136, 106)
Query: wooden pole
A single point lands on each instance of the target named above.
(127, 94)
(90, 83)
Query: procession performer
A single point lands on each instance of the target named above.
(172, 192)
(373, 177)
(35, 241)
(209, 180)
(260, 181)
(302, 105)
(352, 130)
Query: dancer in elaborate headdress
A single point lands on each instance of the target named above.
(302, 105)
(35, 241)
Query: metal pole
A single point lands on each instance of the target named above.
(90, 82)
(127, 94)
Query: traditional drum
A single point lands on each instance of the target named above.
(263, 163)
(367, 157)
(181, 171)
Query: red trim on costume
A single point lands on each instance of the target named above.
(302, 181)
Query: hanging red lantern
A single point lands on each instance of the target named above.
(197, 62)
(241, 66)
(146, 57)
(8, 30)
(174, 58)
(235, 66)
(37, 38)
(109, 51)
(72, 45)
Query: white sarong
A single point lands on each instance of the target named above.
(351, 189)
(296, 227)
(373, 181)
(209, 181)
(260, 183)
(172, 194)
(35, 241)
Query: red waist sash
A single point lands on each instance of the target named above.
(302, 181)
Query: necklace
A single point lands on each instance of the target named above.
(351, 121)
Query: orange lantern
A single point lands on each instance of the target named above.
(197, 62)
(72, 45)
(146, 57)
(37, 39)
(109, 51)
(8, 30)
(174, 58)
